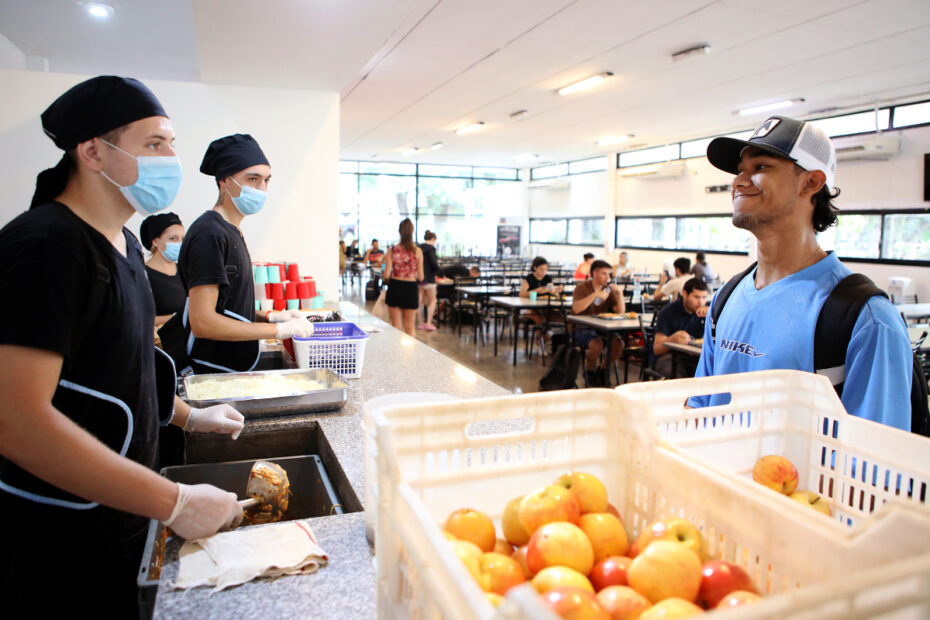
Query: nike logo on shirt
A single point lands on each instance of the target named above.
(740, 347)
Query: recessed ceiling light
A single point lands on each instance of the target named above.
(518, 114)
(768, 107)
(698, 50)
(100, 10)
(436, 146)
(585, 84)
(469, 128)
(608, 141)
(410, 151)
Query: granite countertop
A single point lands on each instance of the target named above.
(393, 363)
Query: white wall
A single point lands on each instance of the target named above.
(892, 184)
(297, 129)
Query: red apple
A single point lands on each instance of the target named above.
(610, 572)
(738, 598)
(558, 576)
(665, 569)
(559, 544)
(606, 534)
(546, 505)
(590, 491)
(613, 510)
(623, 602)
(574, 604)
(719, 578)
(777, 473)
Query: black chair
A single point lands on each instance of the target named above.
(640, 352)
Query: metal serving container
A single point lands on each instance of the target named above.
(334, 396)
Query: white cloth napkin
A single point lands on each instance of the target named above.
(233, 558)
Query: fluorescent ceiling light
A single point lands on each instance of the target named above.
(585, 84)
(698, 50)
(614, 140)
(99, 10)
(410, 151)
(768, 107)
(526, 157)
(469, 128)
(436, 146)
(518, 114)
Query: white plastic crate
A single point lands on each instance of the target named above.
(339, 346)
(433, 459)
(856, 464)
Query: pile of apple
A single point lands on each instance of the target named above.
(779, 474)
(570, 543)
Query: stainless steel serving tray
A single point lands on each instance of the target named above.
(334, 396)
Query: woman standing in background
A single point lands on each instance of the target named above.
(162, 235)
(428, 285)
(403, 268)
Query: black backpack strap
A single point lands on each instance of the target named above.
(835, 325)
(720, 299)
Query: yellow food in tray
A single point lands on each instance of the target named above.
(617, 315)
(245, 387)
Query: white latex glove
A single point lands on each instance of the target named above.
(295, 327)
(202, 510)
(221, 419)
(284, 315)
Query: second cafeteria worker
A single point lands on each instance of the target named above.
(80, 401)
(217, 269)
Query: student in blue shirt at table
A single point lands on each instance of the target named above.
(782, 194)
(680, 322)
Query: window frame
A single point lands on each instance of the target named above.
(567, 219)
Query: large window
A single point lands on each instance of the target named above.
(867, 236)
(568, 230)
(461, 204)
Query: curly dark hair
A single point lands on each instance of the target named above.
(824, 210)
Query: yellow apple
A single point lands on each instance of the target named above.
(623, 602)
(520, 556)
(546, 505)
(557, 576)
(606, 534)
(777, 473)
(470, 555)
(590, 491)
(494, 598)
(665, 569)
(574, 604)
(510, 523)
(813, 500)
(502, 546)
(560, 544)
(448, 535)
(474, 526)
(502, 572)
(672, 608)
(738, 598)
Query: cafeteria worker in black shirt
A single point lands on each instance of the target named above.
(161, 235)
(81, 392)
(217, 270)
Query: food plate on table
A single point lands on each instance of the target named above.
(617, 315)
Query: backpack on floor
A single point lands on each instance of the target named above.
(562, 369)
(831, 337)
(373, 288)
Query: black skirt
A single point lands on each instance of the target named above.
(402, 294)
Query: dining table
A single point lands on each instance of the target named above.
(608, 324)
(516, 304)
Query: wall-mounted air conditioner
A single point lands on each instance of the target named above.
(662, 171)
(549, 184)
(867, 147)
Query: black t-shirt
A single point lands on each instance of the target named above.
(430, 263)
(93, 306)
(534, 282)
(458, 270)
(214, 252)
(674, 317)
(168, 292)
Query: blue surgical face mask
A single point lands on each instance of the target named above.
(249, 201)
(157, 185)
(172, 251)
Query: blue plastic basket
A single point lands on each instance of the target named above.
(338, 346)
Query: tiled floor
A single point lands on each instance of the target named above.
(524, 377)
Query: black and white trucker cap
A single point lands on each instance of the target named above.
(796, 140)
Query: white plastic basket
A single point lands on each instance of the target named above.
(433, 459)
(339, 346)
(856, 464)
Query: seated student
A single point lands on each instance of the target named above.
(591, 297)
(375, 255)
(540, 282)
(680, 322)
(352, 252)
(623, 269)
(701, 269)
(671, 287)
(583, 272)
(459, 270)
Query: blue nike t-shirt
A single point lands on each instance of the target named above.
(774, 328)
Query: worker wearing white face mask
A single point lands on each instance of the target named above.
(216, 267)
(161, 235)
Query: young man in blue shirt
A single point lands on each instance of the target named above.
(783, 194)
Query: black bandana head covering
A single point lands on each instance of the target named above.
(154, 225)
(232, 154)
(87, 110)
